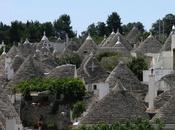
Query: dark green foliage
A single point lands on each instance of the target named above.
(167, 21)
(69, 59)
(33, 30)
(106, 54)
(129, 26)
(62, 26)
(100, 29)
(78, 109)
(109, 60)
(113, 22)
(72, 89)
(137, 65)
(51, 126)
(139, 124)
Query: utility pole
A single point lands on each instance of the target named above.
(159, 29)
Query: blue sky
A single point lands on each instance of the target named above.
(85, 12)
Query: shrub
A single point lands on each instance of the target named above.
(72, 89)
(78, 109)
(139, 124)
(137, 65)
(69, 59)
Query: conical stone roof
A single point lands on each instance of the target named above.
(13, 51)
(167, 45)
(163, 98)
(29, 69)
(116, 106)
(87, 47)
(167, 112)
(126, 76)
(149, 45)
(16, 63)
(114, 39)
(63, 71)
(133, 36)
(7, 110)
(169, 79)
(91, 70)
(108, 40)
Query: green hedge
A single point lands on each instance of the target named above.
(72, 89)
(139, 124)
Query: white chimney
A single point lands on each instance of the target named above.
(173, 45)
(152, 91)
(173, 38)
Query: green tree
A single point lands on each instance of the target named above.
(113, 22)
(137, 65)
(138, 124)
(78, 109)
(48, 28)
(101, 29)
(16, 31)
(92, 30)
(63, 26)
(72, 89)
(4, 33)
(69, 59)
(167, 22)
(126, 28)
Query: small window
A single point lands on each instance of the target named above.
(159, 92)
(85, 52)
(95, 87)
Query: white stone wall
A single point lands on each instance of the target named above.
(10, 124)
(18, 127)
(102, 89)
(165, 60)
(9, 72)
(159, 73)
(173, 42)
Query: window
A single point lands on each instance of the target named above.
(85, 52)
(159, 92)
(95, 87)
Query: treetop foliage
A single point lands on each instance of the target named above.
(137, 65)
(138, 124)
(165, 24)
(72, 89)
(33, 30)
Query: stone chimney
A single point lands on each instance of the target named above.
(173, 45)
(152, 90)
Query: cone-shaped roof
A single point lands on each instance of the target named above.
(44, 38)
(133, 36)
(63, 71)
(116, 106)
(167, 45)
(13, 51)
(7, 109)
(126, 76)
(91, 70)
(25, 50)
(88, 46)
(29, 69)
(149, 45)
(2, 67)
(17, 61)
(108, 40)
(167, 112)
(169, 79)
(122, 40)
(163, 98)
